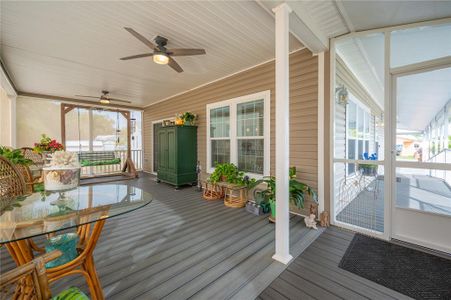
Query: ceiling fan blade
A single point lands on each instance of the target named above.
(119, 100)
(173, 64)
(136, 56)
(141, 38)
(87, 96)
(186, 52)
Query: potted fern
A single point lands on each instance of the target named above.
(298, 191)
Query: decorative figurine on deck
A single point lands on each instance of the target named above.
(310, 221)
(324, 219)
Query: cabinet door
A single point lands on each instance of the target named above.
(172, 150)
(162, 149)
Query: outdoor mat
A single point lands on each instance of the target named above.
(411, 272)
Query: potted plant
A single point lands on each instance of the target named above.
(15, 156)
(368, 169)
(188, 118)
(47, 145)
(297, 191)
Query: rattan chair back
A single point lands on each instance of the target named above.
(28, 281)
(11, 181)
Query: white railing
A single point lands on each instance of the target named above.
(137, 158)
(444, 157)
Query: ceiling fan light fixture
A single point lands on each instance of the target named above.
(160, 58)
(104, 101)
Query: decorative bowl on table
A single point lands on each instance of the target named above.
(63, 173)
(61, 179)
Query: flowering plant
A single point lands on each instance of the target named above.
(47, 144)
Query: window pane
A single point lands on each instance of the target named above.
(220, 152)
(109, 131)
(77, 130)
(352, 120)
(250, 155)
(250, 118)
(220, 122)
(419, 44)
(360, 123)
(351, 155)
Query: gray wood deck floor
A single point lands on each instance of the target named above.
(181, 246)
(315, 274)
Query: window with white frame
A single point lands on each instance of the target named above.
(358, 131)
(238, 132)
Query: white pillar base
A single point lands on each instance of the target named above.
(282, 259)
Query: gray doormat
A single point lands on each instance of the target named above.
(411, 272)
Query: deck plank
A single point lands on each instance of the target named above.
(315, 272)
(181, 245)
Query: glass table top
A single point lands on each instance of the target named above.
(46, 212)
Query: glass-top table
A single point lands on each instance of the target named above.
(46, 212)
(85, 208)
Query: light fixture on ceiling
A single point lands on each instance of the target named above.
(160, 58)
(104, 101)
(342, 95)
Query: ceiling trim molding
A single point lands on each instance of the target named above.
(344, 15)
(77, 101)
(219, 79)
(394, 28)
(6, 83)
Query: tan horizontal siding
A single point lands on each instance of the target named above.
(303, 111)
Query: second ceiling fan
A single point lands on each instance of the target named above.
(161, 55)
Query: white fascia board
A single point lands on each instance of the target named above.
(302, 26)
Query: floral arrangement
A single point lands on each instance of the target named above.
(47, 144)
(64, 159)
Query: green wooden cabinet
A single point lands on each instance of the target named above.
(177, 155)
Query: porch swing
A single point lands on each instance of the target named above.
(99, 158)
(90, 159)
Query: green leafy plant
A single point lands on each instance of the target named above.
(188, 117)
(228, 172)
(15, 156)
(297, 190)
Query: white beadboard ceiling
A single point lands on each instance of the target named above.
(69, 48)
(64, 48)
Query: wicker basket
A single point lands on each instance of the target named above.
(235, 196)
(212, 191)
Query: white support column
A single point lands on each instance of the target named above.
(282, 134)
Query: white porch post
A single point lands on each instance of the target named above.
(282, 134)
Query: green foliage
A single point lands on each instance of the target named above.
(15, 156)
(229, 173)
(88, 163)
(188, 117)
(297, 190)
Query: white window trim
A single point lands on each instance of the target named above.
(366, 137)
(232, 103)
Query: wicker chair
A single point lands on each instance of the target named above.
(32, 174)
(11, 181)
(29, 281)
(36, 158)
